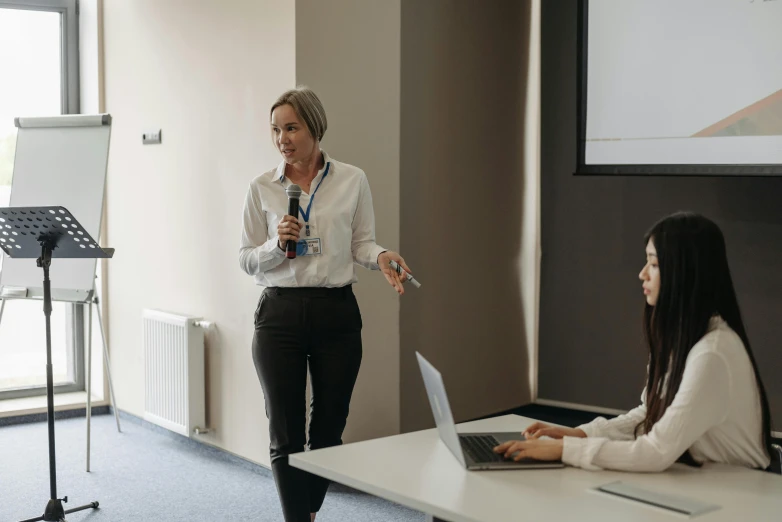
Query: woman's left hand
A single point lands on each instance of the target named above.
(394, 279)
(539, 449)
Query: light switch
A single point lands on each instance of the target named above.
(151, 137)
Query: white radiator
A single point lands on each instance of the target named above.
(174, 388)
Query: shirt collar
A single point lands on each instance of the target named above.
(279, 176)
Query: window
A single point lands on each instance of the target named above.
(39, 68)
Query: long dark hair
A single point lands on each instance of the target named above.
(695, 284)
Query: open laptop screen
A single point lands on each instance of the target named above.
(441, 408)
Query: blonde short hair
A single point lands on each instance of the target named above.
(308, 108)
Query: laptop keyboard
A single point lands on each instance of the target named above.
(481, 448)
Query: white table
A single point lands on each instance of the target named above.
(418, 471)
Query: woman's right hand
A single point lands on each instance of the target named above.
(287, 230)
(539, 429)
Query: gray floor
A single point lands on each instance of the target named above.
(146, 474)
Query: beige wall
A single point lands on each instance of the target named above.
(348, 52)
(464, 112)
(427, 97)
(205, 72)
(430, 99)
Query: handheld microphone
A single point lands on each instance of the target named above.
(294, 193)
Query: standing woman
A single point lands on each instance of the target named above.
(307, 316)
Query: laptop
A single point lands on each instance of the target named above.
(475, 451)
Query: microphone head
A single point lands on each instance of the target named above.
(293, 191)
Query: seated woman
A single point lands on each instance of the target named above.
(704, 400)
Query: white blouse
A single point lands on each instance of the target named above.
(341, 217)
(716, 414)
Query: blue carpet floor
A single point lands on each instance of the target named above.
(144, 474)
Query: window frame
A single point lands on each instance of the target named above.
(69, 104)
(69, 44)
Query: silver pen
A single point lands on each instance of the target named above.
(400, 271)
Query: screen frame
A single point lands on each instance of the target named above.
(582, 169)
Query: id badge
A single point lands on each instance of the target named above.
(308, 247)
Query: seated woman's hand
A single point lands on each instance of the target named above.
(540, 429)
(531, 449)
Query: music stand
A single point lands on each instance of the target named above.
(45, 233)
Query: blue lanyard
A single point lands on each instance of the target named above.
(306, 213)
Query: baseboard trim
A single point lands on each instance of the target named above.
(42, 417)
(579, 407)
(195, 444)
(215, 451)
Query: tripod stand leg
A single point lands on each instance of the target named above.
(54, 511)
(89, 381)
(91, 505)
(108, 366)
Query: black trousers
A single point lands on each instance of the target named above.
(296, 328)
